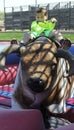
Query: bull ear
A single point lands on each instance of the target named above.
(61, 53)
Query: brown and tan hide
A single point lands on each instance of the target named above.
(42, 79)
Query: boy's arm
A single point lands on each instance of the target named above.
(34, 32)
(52, 23)
(53, 20)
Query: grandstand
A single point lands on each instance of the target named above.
(21, 17)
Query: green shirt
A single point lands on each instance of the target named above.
(39, 27)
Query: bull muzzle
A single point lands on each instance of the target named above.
(36, 84)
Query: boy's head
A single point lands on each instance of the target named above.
(41, 14)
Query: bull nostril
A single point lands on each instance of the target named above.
(29, 81)
(41, 82)
(36, 84)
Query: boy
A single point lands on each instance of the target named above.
(43, 26)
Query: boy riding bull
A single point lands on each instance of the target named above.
(44, 27)
(40, 27)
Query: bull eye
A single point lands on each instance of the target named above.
(36, 84)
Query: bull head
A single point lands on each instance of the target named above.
(35, 82)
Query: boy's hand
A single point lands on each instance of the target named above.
(31, 37)
(53, 20)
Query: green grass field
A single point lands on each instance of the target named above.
(11, 35)
(19, 35)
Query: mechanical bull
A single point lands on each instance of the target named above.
(44, 79)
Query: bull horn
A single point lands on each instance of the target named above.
(8, 50)
(61, 53)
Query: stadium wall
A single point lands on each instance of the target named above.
(22, 19)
